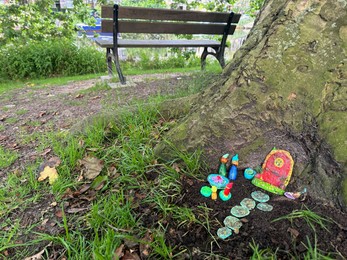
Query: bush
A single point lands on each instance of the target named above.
(49, 58)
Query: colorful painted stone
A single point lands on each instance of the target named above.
(232, 223)
(206, 191)
(233, 169)
(296, 195)
(226, 194)
(260, 196)
(276, 172)
(239, 211)
(222, 170)
(248, 203)
(214, 193)
(249, 173)
(217, 180)
(224, 232)
(264, 206)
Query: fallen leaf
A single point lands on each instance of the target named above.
(145, 244)
(45, 152)
(38, 256)
(59, 213)
(54, 161)
(292, 96)
(293, 232)
(50, 173)
(44, 222)
(96, 97)
(75, 210)
(3, 117)
(54, 203)
(79, 96)
(130, 256)
(119, 252)
(92, 167)
(42, 113)
(176, 167)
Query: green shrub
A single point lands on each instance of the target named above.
(49, 58)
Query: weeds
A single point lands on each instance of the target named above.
(309, 216)
(261, 254)
(7, 157)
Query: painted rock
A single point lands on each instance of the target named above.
(224, 232)
(248, 203)
(264, 206)
(232, 223)
(260, 196)
(217, 180)
(239, 211)
(206, 191)
(249, 173)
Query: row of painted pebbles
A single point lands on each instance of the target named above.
(233, 223)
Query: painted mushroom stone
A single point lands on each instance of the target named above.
(232, 223)
(239, 211)
(260, 196)
(264, 206)
(224, 232)
(217, 180)
(248, 203)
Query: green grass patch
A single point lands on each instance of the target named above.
(7, 157)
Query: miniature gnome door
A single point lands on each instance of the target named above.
(277, 170)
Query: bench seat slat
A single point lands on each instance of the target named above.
(167, 14)
(158, 43)
(166, 28)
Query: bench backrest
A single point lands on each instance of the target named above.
(166, 21)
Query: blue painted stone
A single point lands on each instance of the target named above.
(224, 232)
(217, 180)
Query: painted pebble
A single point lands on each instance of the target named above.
(232, 223)
(260, 196)
(248, 203)
(217, 180)
(224, 232)
(206, 191)
(239, 211)
(264, 206)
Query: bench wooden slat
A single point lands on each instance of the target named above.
(158, 43)
(167, 14)
(165, 28)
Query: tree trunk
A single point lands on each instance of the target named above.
(285, 88)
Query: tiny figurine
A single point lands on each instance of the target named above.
(217, 180)
(276, 172)
(214, 193)
(225, 194)
(249, 173)
(206, 191)
(233, 169)
(222, 170)
(296, 195)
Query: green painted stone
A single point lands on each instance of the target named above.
(239, 211)
(260, 196)
(206, 191)
(264, 206)
(224, 232)
(248, 203)
(232, 223)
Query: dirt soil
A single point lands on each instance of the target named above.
(30, 109)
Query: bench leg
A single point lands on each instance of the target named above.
(116, 62)
(109, 62)
(203, 58)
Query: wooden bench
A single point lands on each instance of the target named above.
(119, 19)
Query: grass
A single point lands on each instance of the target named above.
(7, 157)
(310, 217)
(118, 212)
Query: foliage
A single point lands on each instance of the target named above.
(49, 58)
(146, 3)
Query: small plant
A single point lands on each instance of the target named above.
(313, 252)
(7, 157)
(309, 216)
(261, 254)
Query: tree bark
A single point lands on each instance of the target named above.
(285, 88)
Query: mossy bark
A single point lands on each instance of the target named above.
(286, 87)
